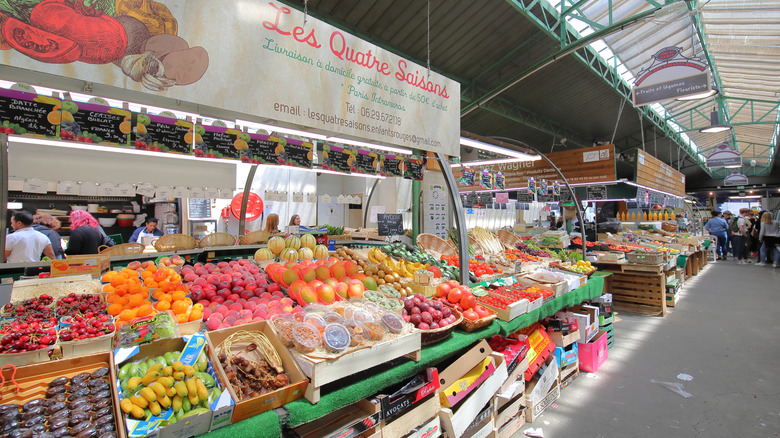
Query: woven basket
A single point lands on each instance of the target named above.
(122, 249)
(470, 325)
(217, 239)
(477, 247)
(254, 238)
(174, 242)
(435, 246)
(645, 258)
(669, 227)
(508, 238)
(436, 335)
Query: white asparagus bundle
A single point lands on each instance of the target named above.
(487, 240)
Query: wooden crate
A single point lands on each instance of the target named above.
(322, 371)
(639, 292)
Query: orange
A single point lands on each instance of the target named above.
(152, 268)
(144, 310)
(195, 315)
(114, 309)
(166, 297)
(188, 300)
(121, 289)
(146, 303)
(157, 293)
(127, 315)
(179, 307)
(134, 288)
(163, 305)
(181, 318)
(108, 276)
(117, 280)
(150, 283)
(111, 297)
(178, 295)
(135, 300)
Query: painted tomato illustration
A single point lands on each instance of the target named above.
(38, 44)
(101, 38)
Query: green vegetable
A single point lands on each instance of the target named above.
(19, 9)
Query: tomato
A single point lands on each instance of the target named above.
(454, 296)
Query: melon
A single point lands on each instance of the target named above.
(276, 245)
(305, 254)
(263, 254)
(321, 252)
(289, 255)
(308, 241)
(293, 242)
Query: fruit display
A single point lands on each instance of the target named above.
(516, 255)
(502, 296)
(164, 383)
(73, 304)
(26, 307)
(476, 267)
(146, 329)
(581, 267)
(80, 406)
(388, 273)
(533, 250)
(345, 253)
(251, 364)
(462, 299)
(127, 293)
(427, 314)
(87, 326)
(28, 334)
(320, 281)
(383, 301)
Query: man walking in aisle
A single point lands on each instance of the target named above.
(26, 244)
(718, 227)
(738, 229)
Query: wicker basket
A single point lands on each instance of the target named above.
(217, 239)
(122, 249)
(477, 247)
(669, 227)
(645, 258)
(435, 246)
(508, 238)
(254, 238)
(436, 335)
(470, 325)
(174, 242)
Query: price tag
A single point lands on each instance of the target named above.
(196, 192)
(341, 199)
(67, 188)
(164, 192)
(88, 188)
(210, 193)
(281, 196)
(145, 189)
(226, 193)
(326, 199)
(181, 192)
(35, 185)
(107, 189)
(297, 197)
(125, 190)
(311, 197)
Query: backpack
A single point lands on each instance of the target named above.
(734, 225)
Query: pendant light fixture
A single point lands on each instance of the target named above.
(715, 125)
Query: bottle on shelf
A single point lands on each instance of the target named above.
(672, 215)
(666, 216)
(645, 216)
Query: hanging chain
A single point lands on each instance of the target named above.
(655, 142)
(620, 112)
(642, 127)
(678, 159)
(428, 42)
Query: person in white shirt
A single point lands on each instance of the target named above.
(26, 244)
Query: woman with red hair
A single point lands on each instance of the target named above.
(85, 234)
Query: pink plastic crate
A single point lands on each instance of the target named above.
(594, 353)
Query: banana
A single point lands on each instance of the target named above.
(191, 387)
(148, 394)
(203, 393)
(126, 405)
(181, 389)
(154, 407)
(189, 370)
(166, 381)
(176, 403)
(139, 401)
(133, 382)
(150, 377)
(158, 389)
(137, 412)
(164, 401)
(170, 392)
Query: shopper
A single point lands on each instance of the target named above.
(718, 227)
(295, 220)
(272, 223)
(729, 218)
(752, 233)
(48, 225)
(738, 231)
(85, 234)
(26, 244)
(769, 237)
(148, 230)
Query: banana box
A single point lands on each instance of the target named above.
(471, 380)
(169, 388)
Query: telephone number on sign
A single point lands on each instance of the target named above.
(382, 117)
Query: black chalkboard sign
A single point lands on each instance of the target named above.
(545, 198)
(166, 134)
(101, 124)
(595, 193)
(466, 176)
(390, 224)
(524, 196)
(414, 169)
(392, 165)
(485, 199)
(200, 208)
(486, 179)
(565, 194)
(471, 199)
(295, 153)
(261, 150)
(630, 205)
(224, 142)
(500, 184)
(337, 158)
(28, 113)
(366, 162)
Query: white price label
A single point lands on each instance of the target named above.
(181, 192)
(163, 192)
(197, 192)
(210, 193)
(88, 188)
(144, 190)
(326, 199)
(311, 197)
(35, 185)
(125, 190)
(67, 188)
(297, 197)
(107, 189)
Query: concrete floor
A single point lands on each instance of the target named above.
(724, 333)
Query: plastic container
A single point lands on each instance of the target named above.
(375, 330)
(362, 315)
(280, 318)
(285, 331)
(315, 320)
(393, 323)
(315, 308)
(306, 337)
(336, 338)
(333, 317)
(357, 331)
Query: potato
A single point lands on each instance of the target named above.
(163, 44)
(186, 66)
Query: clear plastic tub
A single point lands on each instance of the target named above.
(376, 331)
(306, 337)
(333, 317)
(285, 330)
(357, 331)
(336, 338)
(315, 320)
(393, 323)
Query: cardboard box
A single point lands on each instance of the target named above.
(564, 340)
(34, 380)
(566, 381)
(535, 409)
(594, 353)
(244, 409)
(566, 355)
(483, 429)
(221, 409)
(406, 423)
(423, 278)
(459, 389)
(456, 422)
(587, 320)
(94, 265)
(537, 387)
(511, 311)
(467, 361)
(567, 370)
(513, 390)
(516, 373)
(508, 409)
(431, 429)
(361, 419)
(541, 348)
(510, 428)
(398, 405)
(576, 282)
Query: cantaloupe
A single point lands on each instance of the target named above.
(276, 245)
(305, 254)
(308, 241)
(321, 252)
(289, 255)
(263, 254)
(293, 242)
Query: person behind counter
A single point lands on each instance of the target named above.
(86, 235)
(272, 223)
(48, 225)
(149, 229)
(295, 220)
(26, 244)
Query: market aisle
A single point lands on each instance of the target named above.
(724, 333)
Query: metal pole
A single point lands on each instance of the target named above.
(368, 202)
(3, 189)
(565, 181)
(416, 192)
(245, 199)
(460, 217)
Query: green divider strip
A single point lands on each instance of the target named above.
(265, 425)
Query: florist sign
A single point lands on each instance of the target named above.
(272, 62)
(670, 75)
(724, 156)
